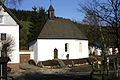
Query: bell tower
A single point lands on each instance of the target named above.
(51, 12)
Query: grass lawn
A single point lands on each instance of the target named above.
(109, 77)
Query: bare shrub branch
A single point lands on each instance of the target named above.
(8, 45)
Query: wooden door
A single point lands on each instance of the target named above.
(55, 53)
(24, 58)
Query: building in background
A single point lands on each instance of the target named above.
(59, 39)
(10, 25)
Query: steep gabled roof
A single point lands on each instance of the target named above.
(12, 15)
(61, 29)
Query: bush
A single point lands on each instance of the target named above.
(50, 63)
(109, 77)
(26, 66)
(39, 64)
(76, 61)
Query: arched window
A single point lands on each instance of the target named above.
(66, 47)
(80, 47)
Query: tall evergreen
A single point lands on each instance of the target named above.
(38, 19)
(24, 32)
(22, 15)
(33, 22)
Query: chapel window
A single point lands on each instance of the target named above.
(80, 47)
(66, 47)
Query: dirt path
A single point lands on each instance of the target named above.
(36, 73)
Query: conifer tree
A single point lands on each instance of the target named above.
(38, 19)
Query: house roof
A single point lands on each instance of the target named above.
(61, 29)
(12, 15)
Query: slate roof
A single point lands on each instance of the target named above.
(61, 29)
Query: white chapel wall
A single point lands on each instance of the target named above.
(46, 49)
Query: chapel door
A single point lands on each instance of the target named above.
(55, 53)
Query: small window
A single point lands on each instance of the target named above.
(80, 47)
(66, 47)
(1, 19)
(3, 36)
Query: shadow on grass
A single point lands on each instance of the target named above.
(29, 76)
(109, 77)
(40, 76)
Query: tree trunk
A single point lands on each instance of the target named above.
(117, 55)
(117, 67)
(114, 66)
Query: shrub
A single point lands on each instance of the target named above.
(26, 66)
(50, 63)
(76, 61)
(39, 64)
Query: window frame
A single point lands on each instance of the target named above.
(66, 47)
(3, 36)
(80, 47)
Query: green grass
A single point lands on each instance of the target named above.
(109, 77)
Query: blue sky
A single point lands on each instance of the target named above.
(63, 8)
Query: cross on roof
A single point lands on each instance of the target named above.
(50, 2)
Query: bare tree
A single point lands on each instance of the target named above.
(7, 45)
(12, 2)
(90, 20)
(107, 13)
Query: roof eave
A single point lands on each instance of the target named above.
(66, 38)
(12, 15)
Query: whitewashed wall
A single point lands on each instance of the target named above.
(7, 19)
(46, 48)
(14, 32)
(33, 46)
(9, 26)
